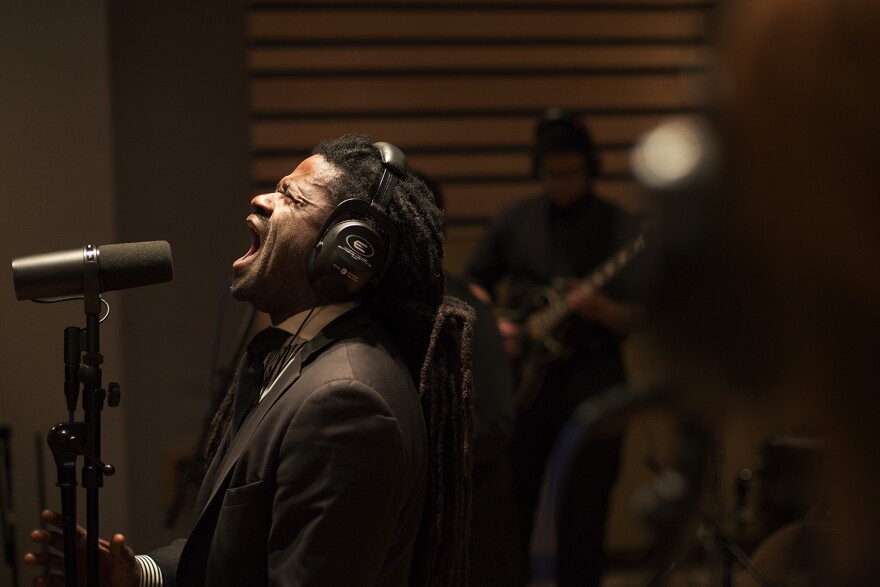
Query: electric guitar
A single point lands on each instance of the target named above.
(542, 327)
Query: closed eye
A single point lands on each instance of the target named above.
(297, 201)
(285, 190)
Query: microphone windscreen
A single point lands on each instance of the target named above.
(134, 264)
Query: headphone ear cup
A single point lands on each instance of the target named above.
(345, 260)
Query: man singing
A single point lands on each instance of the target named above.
(341, 455)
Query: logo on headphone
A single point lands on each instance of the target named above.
(360, 245)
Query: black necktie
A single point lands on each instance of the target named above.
(250, 373)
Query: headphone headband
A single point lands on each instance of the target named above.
(351, 253)
(394, 169)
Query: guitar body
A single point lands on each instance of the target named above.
(532, 371)
(543, 322)
(537, 356)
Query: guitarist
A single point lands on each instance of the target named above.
(554, 238)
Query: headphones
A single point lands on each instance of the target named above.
(574, 136)
(350, 253)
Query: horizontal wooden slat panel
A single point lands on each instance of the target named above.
(416, 92)
(478, 164)
(271, 169)
(370, 23)
(480, 201)
(459, 245)
(452, 165)
(458, 85)
(324, 59)
(302, 135)
(521, 4)
(485, 201)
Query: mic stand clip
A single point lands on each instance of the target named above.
(64, 441)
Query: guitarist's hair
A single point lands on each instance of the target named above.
(559, 130)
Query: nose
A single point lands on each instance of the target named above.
(264, 204)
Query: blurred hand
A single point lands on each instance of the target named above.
(586, 302)
(116, 564)
(510, 334)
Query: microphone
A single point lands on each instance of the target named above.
(120, 266)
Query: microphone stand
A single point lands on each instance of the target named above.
(7, 524)
(68, 440)
(39, 460)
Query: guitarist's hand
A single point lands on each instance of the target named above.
(586, 302)
(510, 334)
(591, 305)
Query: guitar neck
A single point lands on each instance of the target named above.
(599, 277)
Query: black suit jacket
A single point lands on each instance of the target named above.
(324, 483)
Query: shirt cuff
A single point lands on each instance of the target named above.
(151, 576)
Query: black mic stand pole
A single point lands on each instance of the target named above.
(7, 517)
(93, 403)
(65, 459)
(66, 441)
(39, 460)
(70, 439)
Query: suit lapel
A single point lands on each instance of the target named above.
(311, 349)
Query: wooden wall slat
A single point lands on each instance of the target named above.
(485, 201)
(481, 201)
(328, 59)
(370, 23)
(417, 92)
(459, 242)
(302, 135)
(452, 165)
(614, 162)
(544, 5)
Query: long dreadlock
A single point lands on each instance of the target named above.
(434, 334)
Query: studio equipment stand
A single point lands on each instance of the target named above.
(7, 518)
(68, 440)
(84, 273)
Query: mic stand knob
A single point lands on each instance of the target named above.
(64, 442)
(65, 454)
(114, 394)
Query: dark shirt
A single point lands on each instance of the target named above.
(533, 243)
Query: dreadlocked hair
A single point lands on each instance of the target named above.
(434, 335)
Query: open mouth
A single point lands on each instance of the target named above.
(255, 247)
